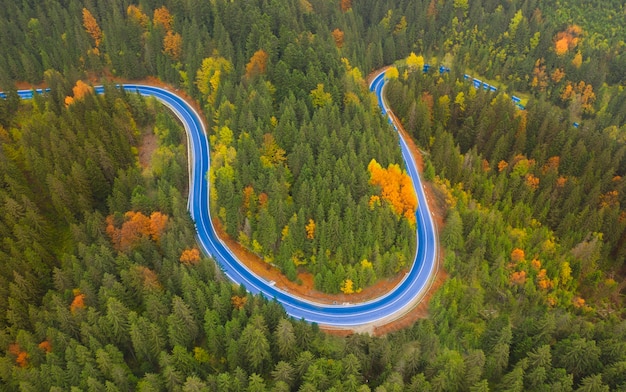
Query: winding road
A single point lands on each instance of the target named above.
(378, 311)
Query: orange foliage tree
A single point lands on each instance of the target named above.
(532, 182)
(551, 165)
(238, 302)
(567, 40)
(582, 93)
(540, 78)
(135, 227)
(557, 75)
(517, 255)
(248, 195)
(78, 302)
(257, 64)
(396, 187)
(190, 256)
(45, 346)
(338, 37)
(21, 356)
(263, 200)
(518, 278)
(172, 45)
(80, 90)
(92, 28)
(163, 18)
(346, 5)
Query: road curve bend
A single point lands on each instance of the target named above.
(386, 308)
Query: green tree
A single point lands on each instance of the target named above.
(254, 339)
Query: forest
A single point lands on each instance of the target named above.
(102, 285)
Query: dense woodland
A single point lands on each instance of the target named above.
(102, 286)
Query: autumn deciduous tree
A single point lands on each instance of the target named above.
(517, 255)
(257, 64)
(415, 62)
(172, 45)
(190, 256)
(310, 229)
(271, 153)
(21, 356)
(45, 346)
(248, 195)
(567, 40)
(158, 221)
(210, 74)
(80, 90)
(135, 227)
(135, 14)
(532, 182)
(347, 287)
(338, 37)
(92, 28)
(392, 73)
(78, 302)
(346, 5)
(540, 77)
(149, 277)
(396, 187)
(582, 94)
(238, 302)
(162, 17)
(577, 60)
(320, 97)
(518, 278)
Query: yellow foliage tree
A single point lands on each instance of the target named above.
(210, 73)
(271, 153)
(92, 28)
(396, 188)
(392, 73)
(415, 62)
(310, 229)
(347, 287)
(320, 97)
(577, 61)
